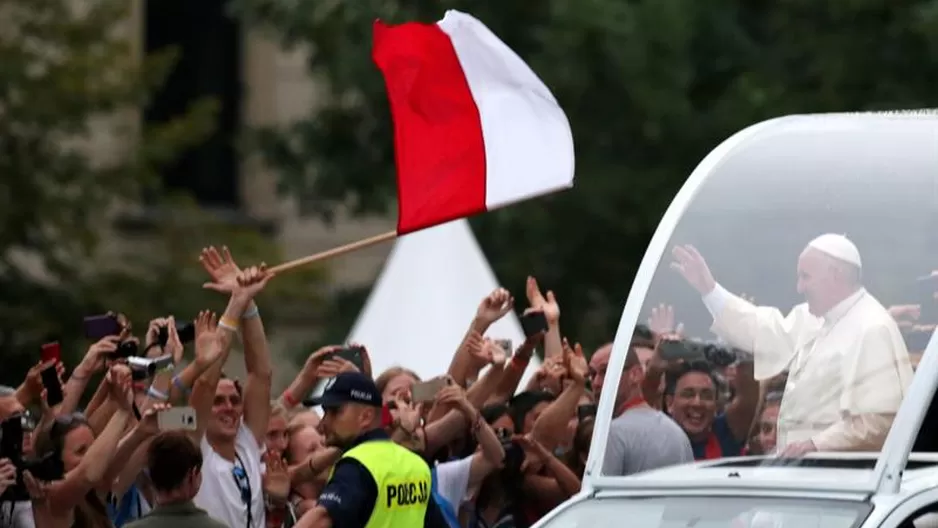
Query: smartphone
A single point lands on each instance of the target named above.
(50, 352)
(426, 391)
(506, 345)
(533, 323)
(353, 355)
(185, 330)
(98, 327)
(177, 418)
(585, 411)
(50, 381)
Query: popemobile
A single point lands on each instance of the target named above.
(741, 254)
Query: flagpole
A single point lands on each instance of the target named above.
(334, 252)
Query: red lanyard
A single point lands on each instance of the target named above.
(631, 403)
(713, 450)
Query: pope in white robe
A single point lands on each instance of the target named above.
(848, 367)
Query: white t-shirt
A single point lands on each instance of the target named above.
(220, 494)
(452, 480)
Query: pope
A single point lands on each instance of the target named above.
(848, 367)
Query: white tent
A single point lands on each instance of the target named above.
(424, 299)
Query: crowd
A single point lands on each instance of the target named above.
(170, 440)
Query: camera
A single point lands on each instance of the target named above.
(45, 468)
(142, 368)
(185, 331)
(719, 356)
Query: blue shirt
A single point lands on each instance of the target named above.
(720, 432)
(350, 495)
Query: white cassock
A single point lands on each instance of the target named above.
(847, 370)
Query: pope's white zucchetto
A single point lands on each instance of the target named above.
(839, 247)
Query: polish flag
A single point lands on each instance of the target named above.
(474, 128)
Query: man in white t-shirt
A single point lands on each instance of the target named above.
(234, 419)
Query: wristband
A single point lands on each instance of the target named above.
(177, 382)
(250, 313)
(157, 394)
(228, 323)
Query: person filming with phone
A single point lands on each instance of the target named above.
(848, 367)
(376, 482)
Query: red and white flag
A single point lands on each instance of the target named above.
(474, 128)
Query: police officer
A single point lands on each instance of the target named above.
(376, 483)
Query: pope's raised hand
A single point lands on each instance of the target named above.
(692, 266)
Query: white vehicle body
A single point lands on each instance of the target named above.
(785, 181)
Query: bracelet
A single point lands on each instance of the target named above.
(251, 313)
(517, 364)
(228, 323)
(157, 394)
(78, 377)
(177, 382)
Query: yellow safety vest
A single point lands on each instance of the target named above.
(403, 480)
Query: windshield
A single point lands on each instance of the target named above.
(710, 512)
(798, 290)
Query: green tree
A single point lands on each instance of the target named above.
(67, 69)
(649, 86)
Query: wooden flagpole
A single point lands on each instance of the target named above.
(334, 252)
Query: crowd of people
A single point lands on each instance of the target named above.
(471, 448)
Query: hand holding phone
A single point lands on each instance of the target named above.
(352, 354)
(533, 323)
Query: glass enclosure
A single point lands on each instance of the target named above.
(711, 512)
(835, 325)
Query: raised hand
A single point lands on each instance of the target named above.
(407, 415)
(574, 362)
(209, 339)
(494, 306)
(120, 385)
(252, 280)
(662, 320)
(276, 478)
(495, 353)
(220, 266)
(149, 423)
(692, 266)
(538, 302)
(333, 366)
(96, 357)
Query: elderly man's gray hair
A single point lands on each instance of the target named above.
(7, 391)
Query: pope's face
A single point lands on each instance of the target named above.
(814, 281)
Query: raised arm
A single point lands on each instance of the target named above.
(71, 490)
(243, 286)
(92, 363)
(212, 345)
(492, 308)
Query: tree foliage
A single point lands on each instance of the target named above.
(70, 83)
(650, 86)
